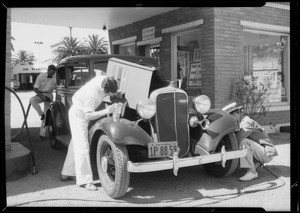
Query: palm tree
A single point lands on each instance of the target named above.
(96, 45)
(23, 57)
(70, 46)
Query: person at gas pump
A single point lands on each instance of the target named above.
(86, 100)
(44, 85)
(260, 149)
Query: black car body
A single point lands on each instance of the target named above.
(157, 126)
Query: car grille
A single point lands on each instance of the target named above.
(171, 119)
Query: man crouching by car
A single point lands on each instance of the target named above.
(260, 148)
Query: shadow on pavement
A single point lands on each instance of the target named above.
(49, 163)
(191, 184)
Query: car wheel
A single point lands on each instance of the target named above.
(216, 169)
(55, 144)
(111, 161)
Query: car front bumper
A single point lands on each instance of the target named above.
(175, 163)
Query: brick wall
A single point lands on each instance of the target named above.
(221, 42)
(277, 117)
(165, 55)
(173, 18)
(208, 55)
(228, 51)
(266, 15)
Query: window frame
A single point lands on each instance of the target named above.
(283, 105)
(125, 45)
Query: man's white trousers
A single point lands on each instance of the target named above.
(35, 102)
(254, 150)
(77, 162)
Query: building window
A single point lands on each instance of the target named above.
(127, 49)
(266, 56)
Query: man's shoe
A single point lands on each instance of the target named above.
(42, 117)
(42, 137)
(249, 176)
(67, 178)
(89, 186)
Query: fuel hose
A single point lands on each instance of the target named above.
(33, 165)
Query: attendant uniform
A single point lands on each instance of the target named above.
(258, 143)
(87, 99)
(46, 85)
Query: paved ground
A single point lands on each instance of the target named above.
(191, 188)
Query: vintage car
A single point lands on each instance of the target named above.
(155, 126)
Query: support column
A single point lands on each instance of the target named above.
(17, 157)
(7, 82)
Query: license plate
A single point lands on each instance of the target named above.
(161, 149)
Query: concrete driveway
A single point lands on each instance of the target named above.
(193, 187)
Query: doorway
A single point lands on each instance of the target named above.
(185, 53)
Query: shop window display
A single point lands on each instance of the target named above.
(265, 56)
(127, 49)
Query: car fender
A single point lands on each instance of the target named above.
(59, 114)
(221, 124)
(121, 132)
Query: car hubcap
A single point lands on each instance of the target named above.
(104, 163)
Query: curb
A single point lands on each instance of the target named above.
(18, 162)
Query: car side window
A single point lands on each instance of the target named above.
(80, 77)
(77, 75)
(60, 76)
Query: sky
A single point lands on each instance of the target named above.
(26, 34)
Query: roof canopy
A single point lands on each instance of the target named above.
(85, 17)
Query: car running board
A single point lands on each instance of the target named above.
(65, 139)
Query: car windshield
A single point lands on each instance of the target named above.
(157, 81)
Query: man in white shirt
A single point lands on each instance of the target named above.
(44, 85)
(85, 101)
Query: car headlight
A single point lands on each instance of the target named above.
(146, 108)
(202, 103)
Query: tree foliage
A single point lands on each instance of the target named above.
(70, 46)
(95, 45)
(252, 95)
(23, 57)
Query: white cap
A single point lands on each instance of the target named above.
(231, 107)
